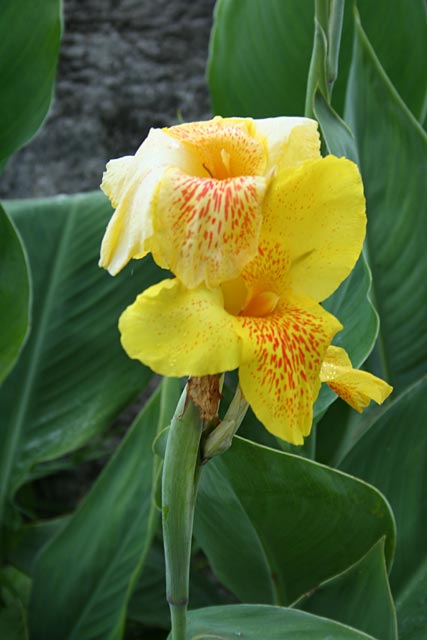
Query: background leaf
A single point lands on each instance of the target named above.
(269, 623)
(266, 520)
(259, 57)
(72, 377)
(14, 295)
(393, 160)
(392, 455)
(30, 34)
(110, 535)
(363, 587)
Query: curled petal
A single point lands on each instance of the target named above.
(282, 356)
(356, 387)
(318, 212)
(179, 332)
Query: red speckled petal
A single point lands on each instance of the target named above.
(206, 230)
(282, 356)
(354, 386)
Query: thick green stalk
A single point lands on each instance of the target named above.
(181, 471)
(326, 45)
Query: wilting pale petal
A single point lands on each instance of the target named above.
(131, 183)
(318, 212)
(282, 356)
(178, 332)
(290, 141)
(354, 386)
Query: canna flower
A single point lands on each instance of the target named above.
(193, 194)
(267, 321)
(356, 387)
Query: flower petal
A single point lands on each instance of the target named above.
(131, 183)
(290, 141)
(318, 212)
(206, 230)
(354, 386)
(179, 332)
(282, 356)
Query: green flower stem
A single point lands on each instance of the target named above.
(181, 472)
(326, 45)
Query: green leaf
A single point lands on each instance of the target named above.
(103, 548)
(30, 35)
(392, 456)
(393, 159)
(14, 295)
(253, 622)
(13, 622)
(72, 377)
(275, 525)
(259, 57)
(398, 34)
(362, 587)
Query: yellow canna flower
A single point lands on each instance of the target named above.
(356, 387)
(267, 322)
(193, 194)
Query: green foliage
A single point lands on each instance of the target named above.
(271, 527)
(72, 377)
(315, 522)
(14, 295)
(92, 602)
(256, 621)
(30, 34)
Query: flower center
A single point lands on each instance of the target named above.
(261, 305)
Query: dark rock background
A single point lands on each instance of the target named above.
(125, 65)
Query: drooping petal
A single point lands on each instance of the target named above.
(131, 183)
(290, 141)
(206, 230)
(318, 212)
(179, 332)
(282, 356)
(354, 386)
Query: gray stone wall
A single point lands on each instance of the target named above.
(125, 65)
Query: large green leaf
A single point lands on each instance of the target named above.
(14, 295)
(103, 547)
(259, 57)
(254, 622)
(30, 34)
(275, 525)
(362, 587)
(393, 159)
(392, 455)
(72, 377)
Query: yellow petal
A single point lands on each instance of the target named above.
(282, 356)
(131, 183)
(179, 332)
(318, 212)
(290, 141)
(354, 386)
(206, 230)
